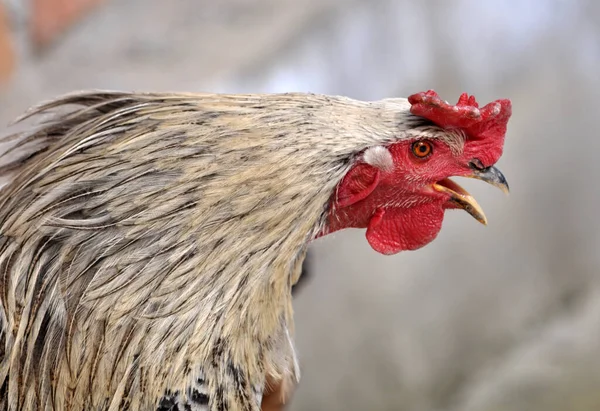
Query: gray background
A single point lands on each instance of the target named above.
(504, 317)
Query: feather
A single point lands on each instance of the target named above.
(149, 242)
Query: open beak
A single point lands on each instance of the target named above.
(462, 199)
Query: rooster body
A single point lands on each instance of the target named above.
(149, 241)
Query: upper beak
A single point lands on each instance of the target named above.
(493, 176)
(463, 199)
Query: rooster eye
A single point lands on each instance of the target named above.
(422, 148)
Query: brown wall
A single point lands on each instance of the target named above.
(7, 52)
(49, 19)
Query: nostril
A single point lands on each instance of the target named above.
(477, 164)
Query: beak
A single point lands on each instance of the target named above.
(462, 199)
(493, 176)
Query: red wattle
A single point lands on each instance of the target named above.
(397, 229)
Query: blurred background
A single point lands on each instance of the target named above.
(497, 318)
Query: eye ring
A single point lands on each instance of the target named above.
(422, 149)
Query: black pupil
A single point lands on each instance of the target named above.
(423, 148)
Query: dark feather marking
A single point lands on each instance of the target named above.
(199, 398)
(148, 198)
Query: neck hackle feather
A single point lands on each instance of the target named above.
(148, 241)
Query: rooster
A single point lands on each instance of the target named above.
(149, 242)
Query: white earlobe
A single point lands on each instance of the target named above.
(379, 157)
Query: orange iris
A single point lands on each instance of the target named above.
(422, 148)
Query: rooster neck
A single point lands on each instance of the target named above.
(150, 238)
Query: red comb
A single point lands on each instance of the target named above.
(477, 123)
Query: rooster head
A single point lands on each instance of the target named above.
(400, 191)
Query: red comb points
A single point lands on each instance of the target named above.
(478, 123)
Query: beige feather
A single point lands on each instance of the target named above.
(149, 239)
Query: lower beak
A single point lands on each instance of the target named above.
(462, 199)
